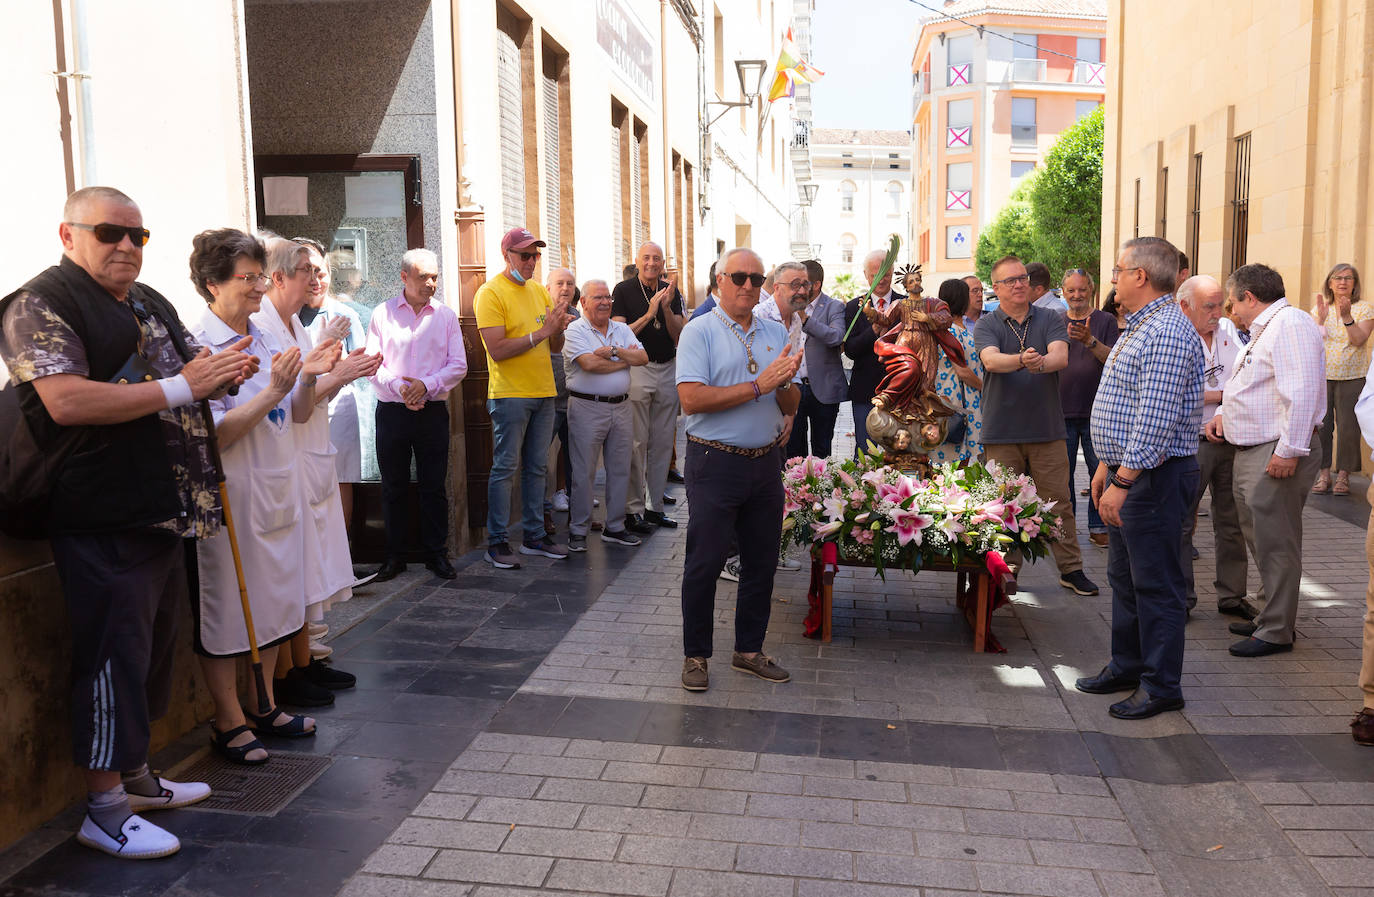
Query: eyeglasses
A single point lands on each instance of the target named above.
(253, 280)
(1015, 280)
(1070, 272)
(1343, 278)
(740, 277)
(313, 272)
(114, 233)
(1117, 272)
(797, 286)
(526, 256)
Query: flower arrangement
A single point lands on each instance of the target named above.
(878, 515)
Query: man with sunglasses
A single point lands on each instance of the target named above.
(1204, 302)
(99, 358)
(734, 377)
(653, 309)
(515, 316)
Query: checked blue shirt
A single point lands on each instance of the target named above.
(1149, 403)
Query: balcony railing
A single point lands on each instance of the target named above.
(801, 134)
(1094, 73)
(1023, 135)
(1028, 70)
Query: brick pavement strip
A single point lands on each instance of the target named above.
(687, 853)
(493, 868)
(555, 842)
(610, 878)
(364, 885)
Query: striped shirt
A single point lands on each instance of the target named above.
(1149, 403)
(1278, 388)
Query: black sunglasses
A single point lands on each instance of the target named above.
(739, 277)
(113, 233)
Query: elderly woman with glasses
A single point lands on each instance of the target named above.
(258, 448)
(1346, 323)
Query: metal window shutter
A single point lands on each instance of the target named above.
(636, 200)
(508, 97)
(552, 181)
(617, 212)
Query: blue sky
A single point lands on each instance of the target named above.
(864, 47)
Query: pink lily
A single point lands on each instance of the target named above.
(908, 525)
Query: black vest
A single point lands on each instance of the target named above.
(116, 477)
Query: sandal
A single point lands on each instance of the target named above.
(1323, 482)
(1342, 486)
(236, 753)
(294, 727)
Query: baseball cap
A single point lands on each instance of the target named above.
(519, 238)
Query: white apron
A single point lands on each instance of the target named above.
(260, 474)
(327, 562)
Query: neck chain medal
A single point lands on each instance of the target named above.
(748, 344)
(1023, 334)
(658, 325)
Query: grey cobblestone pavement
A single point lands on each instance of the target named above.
(897, 762)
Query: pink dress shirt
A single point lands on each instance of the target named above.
(427, 347)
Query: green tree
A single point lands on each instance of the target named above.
(1011, 232)
(1066, 199)
(845, 287)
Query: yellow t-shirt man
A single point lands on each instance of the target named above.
(521, 309)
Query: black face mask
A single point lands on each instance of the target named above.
(307, 314)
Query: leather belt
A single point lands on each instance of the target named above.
(734, 449)
(609, 400)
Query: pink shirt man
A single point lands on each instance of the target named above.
(427, 347)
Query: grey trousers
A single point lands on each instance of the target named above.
(1271, 517)
(595, 430)
(1340, 421)
(653, 394)
(1216, 461)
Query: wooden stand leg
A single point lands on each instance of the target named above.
(982, 598)
(827, 603)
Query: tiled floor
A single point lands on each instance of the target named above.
(523, 734)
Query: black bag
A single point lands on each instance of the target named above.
(28, 464)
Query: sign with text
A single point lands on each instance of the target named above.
(627, 42)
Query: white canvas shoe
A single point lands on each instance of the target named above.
(174, 794)
(318, 630)
(138, 839)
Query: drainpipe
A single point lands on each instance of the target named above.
(669, 210)
(85, 106)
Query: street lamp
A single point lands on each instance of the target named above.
(750, 71)
(809, 192)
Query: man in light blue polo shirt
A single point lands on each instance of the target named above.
(734, 380)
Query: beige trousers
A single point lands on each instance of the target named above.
(1048, 464)
(653, 396)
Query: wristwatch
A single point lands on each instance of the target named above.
(785, 387)
(1093, 344)
(615, 353)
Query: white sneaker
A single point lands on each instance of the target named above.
(560, 500)
(174, 794)
(365, 579)
(320, 651)
(787, 563)
(731, 569)
(138, 839)
(317, 630)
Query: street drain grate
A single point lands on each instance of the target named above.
(254, 790)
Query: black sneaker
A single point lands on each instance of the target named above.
(578, 543)
(296, 690)
(1078, 582)
(324, 675)
(674, 476)
(620, 537)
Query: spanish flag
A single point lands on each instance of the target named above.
(790, 69)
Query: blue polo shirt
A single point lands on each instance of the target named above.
(711, 351)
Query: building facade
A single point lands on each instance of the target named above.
(1257, 156)
(993, 86)
(863, 179)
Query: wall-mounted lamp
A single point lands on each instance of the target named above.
(809, 192)
(750, 71)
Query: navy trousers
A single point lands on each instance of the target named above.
(1145, 571)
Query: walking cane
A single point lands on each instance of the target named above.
(264, 705)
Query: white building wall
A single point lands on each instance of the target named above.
(873, 219)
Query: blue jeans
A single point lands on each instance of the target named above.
(1079, 431)
(521, 430)
(1145, 570)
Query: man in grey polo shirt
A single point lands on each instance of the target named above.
(734, 379)
(1023, 348)
(597, 356)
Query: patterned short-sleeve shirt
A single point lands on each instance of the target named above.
(38, 343)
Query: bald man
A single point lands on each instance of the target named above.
(652, 308)
(868, 368)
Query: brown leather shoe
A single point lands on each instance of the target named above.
(1362, 727)
(1099, 539)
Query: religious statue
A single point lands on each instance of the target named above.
(908, 418)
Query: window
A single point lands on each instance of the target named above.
(847, 243)
(1026, 64)
(959, 124)
(1020, 170)
(847, 196)
(1023, 129)
(959, 187)
(1195, 214)
(719, 46)
(1240, 203)
(1084, 107)
(558, 229)
(892, 156)
(846, 160)
(894, 198)
(959, 241)
(1089, 49)
(959, 55)
(621, 188)
(510, 103)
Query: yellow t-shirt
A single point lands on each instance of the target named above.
(521, 309)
